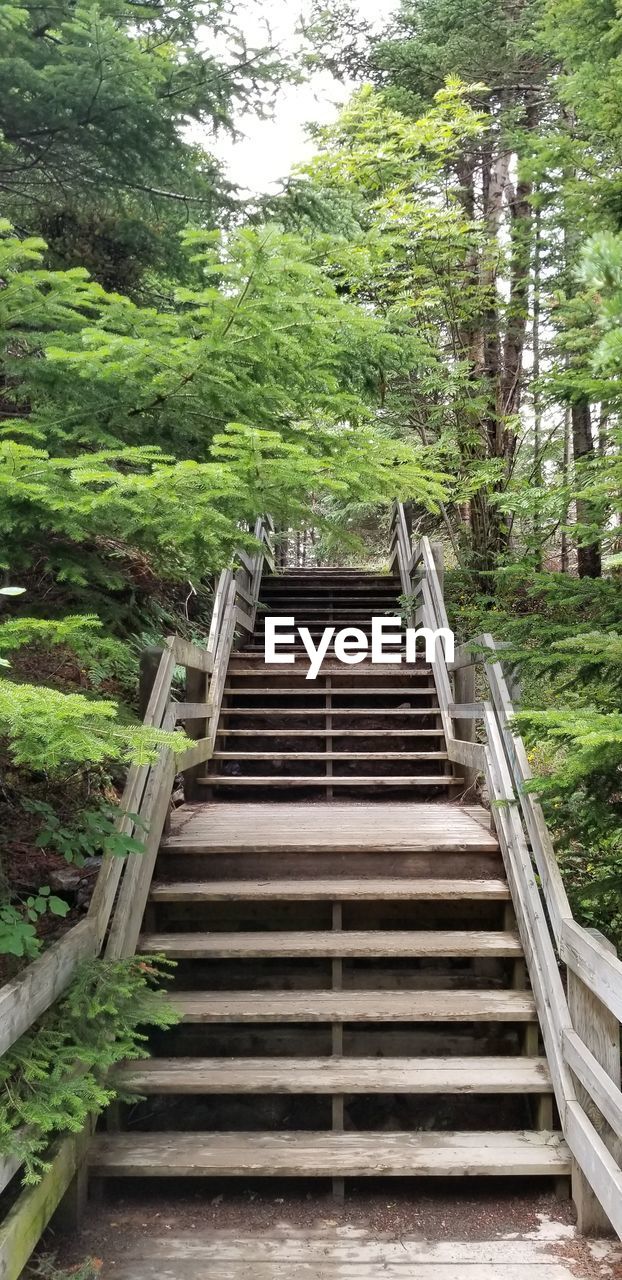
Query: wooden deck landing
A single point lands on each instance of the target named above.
(348, 1253)
(406, 828)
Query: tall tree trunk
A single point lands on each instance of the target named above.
(588, 557)
(537, 400)
(564, 556)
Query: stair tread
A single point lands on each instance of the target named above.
(355, 1006)
(331, 733)
(311, 690)
(384, 889)
(291, 780)
(330, 755)
(385, 827)
(336, 1253)
(501, 1074)
(279, 609)
(249, 664)
(515, 1153)
(354, 942)
(322, 711)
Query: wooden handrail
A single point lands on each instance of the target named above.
(113, 920)
(580, 1030)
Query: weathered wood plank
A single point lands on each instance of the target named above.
(598, 1032)
(348, 1247)
(374, 889)
(447, 1154)
(191, 710)
(595, 1080)
(596, 967)
(197, 754)
(190, 655)
(532, 923)
(136, 883)
(541, 843)
(466, 710)
(331, 755)
(243, 619)
(355, 1006)
(397, 827)
(596, 1162)
(29, 1216)
(480, 1075)
(467, 753)
(24, 999)
(325, 1270)
(397, 942)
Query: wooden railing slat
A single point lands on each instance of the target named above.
(27, 1219)
(190, 655)
(597, 968)
(594, 1078)
(533, 927)
(524, 839)
(191, 710)
(24, 999)
(146, 793)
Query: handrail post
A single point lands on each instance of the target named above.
(439, 564)
(600, 1032)
(149, 662)
(197, 685)
(464, 691)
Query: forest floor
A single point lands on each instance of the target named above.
(113, 1231)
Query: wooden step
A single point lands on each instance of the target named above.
(253, 664)
(329, 755)
(385, 827)
(340, 1253)
(321, 576)
(481, 1075)
(214, 1155)
(332, 612)
(287, 780)
(286, 732)
(354, 1006)
(297, 691)
(334, 711)
(352, 943)
(337, 890)
(245, 666)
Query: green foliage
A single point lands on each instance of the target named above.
(56, 1076)
(18, 935)
(242, 412)
(101, 657)
(96, 97)
(562, 637)
(94, 832)
(44, 1268)
(53, 731)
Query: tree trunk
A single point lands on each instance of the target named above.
(564, 556)
(588, 557)
(537, 400)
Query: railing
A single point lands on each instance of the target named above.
(112, 923)
(580, 1023)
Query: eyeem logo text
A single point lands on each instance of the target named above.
(390, 643)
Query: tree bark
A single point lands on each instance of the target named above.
(588, 557)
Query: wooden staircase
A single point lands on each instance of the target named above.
(351, 982)
(354, 727)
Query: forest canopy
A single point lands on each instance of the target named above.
(430, 308)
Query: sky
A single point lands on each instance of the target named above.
(269, 148)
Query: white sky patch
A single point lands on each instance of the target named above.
(266, 153)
